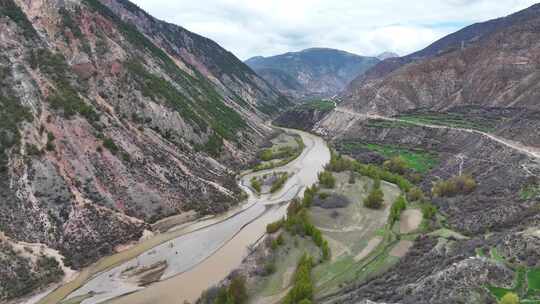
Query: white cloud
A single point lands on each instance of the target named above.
(268, 27)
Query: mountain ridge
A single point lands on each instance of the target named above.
(311, 73)
(444, 71)
(110, 121)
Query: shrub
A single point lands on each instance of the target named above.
(309, 194)
(126, 157)
(375, 199)
(302, 288)
(50, 146)
(397, 208)
(50, 136)
(279, 183)
(509, 298)
(415, 195)
(339, 163)
(266, 155)
(379, 173)
(274, 244)
(463, 184)
(235, 293)
(352, 178)
(428, 211)
(377, 184)
(396, 165)
(269, 268)
(327, 179)
(33, 150)
(214, 145)
(50, 142)
(237, 290)
(323, 195)
(325, 250)
(280, 240)
(110, 145)
(274, 227)
(256, 184)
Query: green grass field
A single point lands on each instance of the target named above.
(533, 283)
(526, 283)
(419, 160)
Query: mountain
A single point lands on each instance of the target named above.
(470, 101)
(386, 55)
(311, 73)
(111, 120)
(494, 63)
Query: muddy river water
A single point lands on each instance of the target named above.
(201, 258)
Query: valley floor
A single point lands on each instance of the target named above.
(198, 251)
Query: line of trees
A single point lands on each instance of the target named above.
(235, 293)
(302, 289)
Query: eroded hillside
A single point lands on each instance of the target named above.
(491, 64)
(110, 120)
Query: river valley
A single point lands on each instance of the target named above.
(207, 251)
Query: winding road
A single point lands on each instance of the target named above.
(530, 151)
(201, 258)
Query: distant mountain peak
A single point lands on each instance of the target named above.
(387, 55)
(311, 73)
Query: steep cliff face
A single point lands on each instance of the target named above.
(111, 119)
(494, 63)
(311, 73)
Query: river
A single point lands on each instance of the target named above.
(201, 258)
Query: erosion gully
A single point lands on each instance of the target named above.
(200, 254)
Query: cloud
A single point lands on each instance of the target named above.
(268, 27)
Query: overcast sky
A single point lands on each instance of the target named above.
(366, 27)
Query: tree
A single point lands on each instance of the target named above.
(509, 298)
(415, 195)
(256, 184)
(428, 211)
(327, 179)
(352, 177)
(302, 283)
(274, 227)
(397, 208)
(326, 253)
(463, 184)
(375, 199)
(377, 183)
(237, 293)
(396, 165)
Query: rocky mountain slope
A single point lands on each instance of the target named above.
(474, 107)
(480, 240)
(498, 217)
(109, 120)
(494, 63)
(311, 73)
